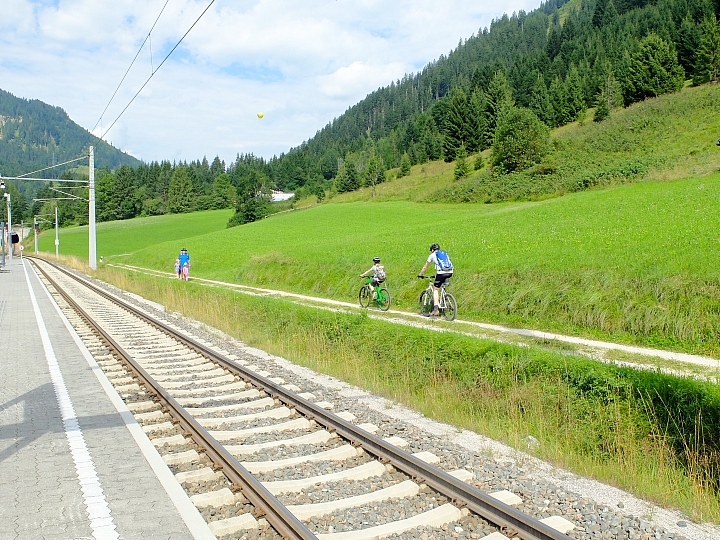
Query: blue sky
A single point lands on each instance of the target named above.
(302, 63)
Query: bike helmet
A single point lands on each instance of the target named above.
(434, 247)
(376, 259)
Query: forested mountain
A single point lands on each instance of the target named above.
(500, 88)
(557, 60)
(34, 135)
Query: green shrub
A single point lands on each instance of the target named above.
(521, 140)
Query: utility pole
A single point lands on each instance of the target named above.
(9, 235)
(57, 240)
(35, 233)
(92, 252)
(2, 243)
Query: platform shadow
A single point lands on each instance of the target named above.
(41, 409)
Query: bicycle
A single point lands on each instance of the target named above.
(382, 296)
(447, 306)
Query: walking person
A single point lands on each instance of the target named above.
(183, 260)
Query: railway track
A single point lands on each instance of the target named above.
(260, 457)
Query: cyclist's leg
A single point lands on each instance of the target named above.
(440, 280)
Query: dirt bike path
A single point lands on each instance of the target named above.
(415, 319)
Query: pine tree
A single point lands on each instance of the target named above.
(654, 69)
(479, 162)
(123, 195)
(456, 129)
(597, 18)
(707, 65)
(613, 91)
(347, 178)
(610, 14)
(603, 109)
(404, 165)
(558, 101)
(574, 94)
(476, 121)
(499, 99)
(688, 43)
(180, 192)
(540, 101)
(462, 169)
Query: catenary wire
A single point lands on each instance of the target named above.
(157, 69)
(100, 138)
(52, 166)
(131, 65)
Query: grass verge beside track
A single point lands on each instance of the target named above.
(656, 435)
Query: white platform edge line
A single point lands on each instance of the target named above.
(185, 507)
(101, 520)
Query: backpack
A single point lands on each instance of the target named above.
(444, 261)
(380, 273)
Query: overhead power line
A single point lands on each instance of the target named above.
(154, 71)
(157, 69)
(52, 166)
(131, 65)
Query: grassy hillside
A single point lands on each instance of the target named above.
(633, 262)
(115, 239)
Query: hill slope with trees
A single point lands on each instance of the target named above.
(557, 61)
(500, 89)
(34, 135)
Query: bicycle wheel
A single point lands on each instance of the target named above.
(426, 303)
(384, 299)
(364, 297)
(450, 310)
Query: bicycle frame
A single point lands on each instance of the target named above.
(446, 305)
(368, 282)
(441, 294)
(382, 295)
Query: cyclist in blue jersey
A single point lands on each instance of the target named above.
(443, 273)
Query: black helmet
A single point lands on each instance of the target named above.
(434, 247)
(376, 259)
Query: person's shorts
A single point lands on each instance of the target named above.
(440, 279)
(376, 283)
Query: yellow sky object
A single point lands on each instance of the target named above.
(260, 115)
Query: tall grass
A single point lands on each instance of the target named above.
(654, 435)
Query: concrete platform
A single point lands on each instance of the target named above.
(73, 461)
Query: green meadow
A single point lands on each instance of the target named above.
(121, 238)
(636, 263)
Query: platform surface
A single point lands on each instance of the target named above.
(83, 478)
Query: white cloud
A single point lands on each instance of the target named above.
(301, 63)
(348, 82)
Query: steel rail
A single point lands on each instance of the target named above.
(505, 516)
(281, 519)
